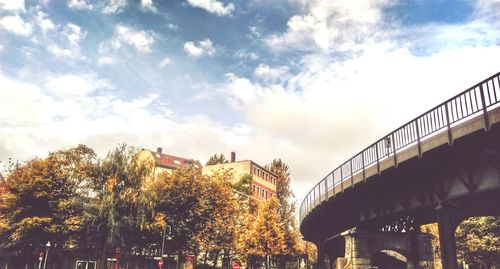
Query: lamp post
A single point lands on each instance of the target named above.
(165, 236)
(47, 246)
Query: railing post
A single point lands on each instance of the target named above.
(334, 188)
(363, 161)
(448, 127)
(352, 176)
(485, 111)
(341, 179)
(316, 202)
(394, 150)
(378, 162)
(326, 188)
(418, 139)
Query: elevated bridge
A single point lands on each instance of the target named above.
(442, 166)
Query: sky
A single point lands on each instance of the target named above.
(310, 81)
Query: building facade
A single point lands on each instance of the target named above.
(263, 181)
(159, 162)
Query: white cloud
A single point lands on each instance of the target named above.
(16, 6)
(339, 25)
(148, 5)
(80, 4)
(166, 61)
(16, 25)
(114, 6)
(213, 6)
(60, 52)
(68, 45)
(242, 54)
(106, 60)
(269, 74)
(172, 26)
(204, 47)
(140, 40)
(44, 22)
(74, 34)
(81, 112)
(333, 109)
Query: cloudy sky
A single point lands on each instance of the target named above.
(310, 81)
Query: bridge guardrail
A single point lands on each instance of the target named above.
(467, 104)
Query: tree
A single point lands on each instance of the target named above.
(120, 214)
(287, 207)
(217, 159)
(478, 242)
(201, 210)
(265, 236)
(226, 214)
(40, 201)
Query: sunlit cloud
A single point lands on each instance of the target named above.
(213, 6)
(204, 47)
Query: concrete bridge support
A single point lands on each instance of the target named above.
(413, 250)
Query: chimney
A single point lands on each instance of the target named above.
(158, 150)
(233, 156)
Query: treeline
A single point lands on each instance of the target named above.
(81, 203)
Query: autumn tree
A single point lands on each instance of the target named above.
(41, 201)
(265, 237)
(119, 217)
(478, 242)
(202, 210)
(226, 217)
(217, 159)
(286, 207)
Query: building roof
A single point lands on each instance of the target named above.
(174, 162)
(242, 161)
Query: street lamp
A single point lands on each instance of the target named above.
(165, 236)
(47, 246)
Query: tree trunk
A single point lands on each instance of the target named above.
(282, 262)
(216, 259)
(102, 261)
(205, 258)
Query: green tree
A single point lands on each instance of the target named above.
(41, 201)
(119, 217)
(217, 159)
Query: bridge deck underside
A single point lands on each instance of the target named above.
(465, 169)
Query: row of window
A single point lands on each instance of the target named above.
(264, 175)
(261, 192)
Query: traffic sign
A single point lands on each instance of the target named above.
(160, 263)
(236, 266)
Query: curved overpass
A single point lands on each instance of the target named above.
(447, 157)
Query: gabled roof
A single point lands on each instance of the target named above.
(174, 162)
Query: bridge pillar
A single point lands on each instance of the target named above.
(447, 242)
(322, 264)
(357, 250)
(361, 246)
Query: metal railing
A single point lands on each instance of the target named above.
(470, 103)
